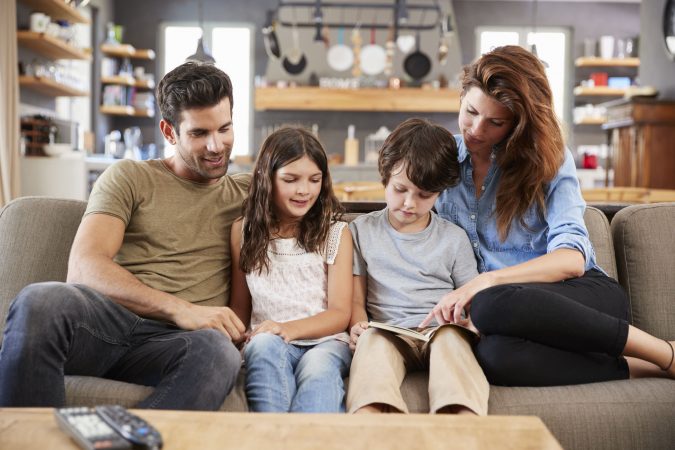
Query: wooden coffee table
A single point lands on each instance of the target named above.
(35, 428)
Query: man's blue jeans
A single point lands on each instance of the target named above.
(282, 377)
(56, 329)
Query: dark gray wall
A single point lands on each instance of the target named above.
(657, 67)
(142, 18)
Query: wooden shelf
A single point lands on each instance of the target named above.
(119, 110)
(50, 46)
(598, 91)
(128, 81)
(127, 51)
(591, 121)
(368, 99)
(57, 9)
(607, 62)
(50, 87)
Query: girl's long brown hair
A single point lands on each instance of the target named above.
(530, 156)
(281, 148)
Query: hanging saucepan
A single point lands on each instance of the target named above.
(270, 36)
(417, 64)
(340, 56)
(373, 57)
(295, 62)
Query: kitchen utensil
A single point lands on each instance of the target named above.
(356, 49)
(340, 56)
(389, 49)
(295, 62)
(270, 36)
(373, 57)
(405, 42)
(417, 64)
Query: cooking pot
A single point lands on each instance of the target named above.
(417, 64)
(373, 57)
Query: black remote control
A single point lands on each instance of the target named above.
(88, 429)
(134, 429)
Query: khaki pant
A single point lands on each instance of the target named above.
(382, 360)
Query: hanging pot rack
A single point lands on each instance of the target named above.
(400, 19)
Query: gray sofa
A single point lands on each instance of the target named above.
(639, 248)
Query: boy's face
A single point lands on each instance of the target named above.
(408, 205)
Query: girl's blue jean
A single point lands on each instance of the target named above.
(283, 377)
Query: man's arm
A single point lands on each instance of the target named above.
(91, 263)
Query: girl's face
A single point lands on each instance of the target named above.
(296, 187)
(483, 121)
(408, 205)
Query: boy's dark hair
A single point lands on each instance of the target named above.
(428, 151)
(191, 85)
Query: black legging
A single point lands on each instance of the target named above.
(547, 334)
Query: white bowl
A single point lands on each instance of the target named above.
(57, 149)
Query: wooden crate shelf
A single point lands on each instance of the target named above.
(598, 91)
(47, 86)
(50, 46)
(120, 110)
(127, 51)
(585, 61)
(128, 81)
(57, 9)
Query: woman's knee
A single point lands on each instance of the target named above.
(498, 359)
(490, 305)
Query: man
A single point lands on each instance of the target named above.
(149, 270)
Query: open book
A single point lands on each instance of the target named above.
(423, 335)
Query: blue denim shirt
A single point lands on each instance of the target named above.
(562, 227)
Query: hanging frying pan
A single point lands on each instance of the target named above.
(295, 62)
(417, 64)
(373, 57)
(270, 36)
(340, 56)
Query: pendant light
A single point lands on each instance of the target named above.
(202, 54)
(533, 47)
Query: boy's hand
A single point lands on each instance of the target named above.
(356, 331)
(269, 326)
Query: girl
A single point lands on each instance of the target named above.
(548, 314)
(292, 278)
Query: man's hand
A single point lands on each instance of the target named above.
(356, 331)
(223, 319)
(270, 326)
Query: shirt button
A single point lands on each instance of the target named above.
(473, 217)
(475, 245)
(482, 188)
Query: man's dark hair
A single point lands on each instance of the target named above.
(191, 85)
(428, 152)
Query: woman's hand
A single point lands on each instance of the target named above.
(269, 326)
(356, 331)
(449, 308)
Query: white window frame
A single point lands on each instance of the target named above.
(565, 98)
(243, 97)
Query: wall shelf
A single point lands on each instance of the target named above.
(47, 86)
(591, 121)
(50, 46)
(121, 110)
(128, 81)
(126, 51)
(598, 91)
(57, 9)
(367, 99)
(606, 62)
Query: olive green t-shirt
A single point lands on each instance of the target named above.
(177, 236)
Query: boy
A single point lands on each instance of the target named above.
(406, 259)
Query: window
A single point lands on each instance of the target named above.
(180, 41)
(552, 48)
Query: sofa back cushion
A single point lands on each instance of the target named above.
(644, 241)
(35, 238)
(599, 232)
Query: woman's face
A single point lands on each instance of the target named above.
(483, 121)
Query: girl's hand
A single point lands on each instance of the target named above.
(449, 308)
(356, 331)
(269, 326)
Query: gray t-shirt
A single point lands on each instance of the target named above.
(408, 273)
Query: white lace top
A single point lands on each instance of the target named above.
(295, 287)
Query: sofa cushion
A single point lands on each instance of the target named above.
(35, 238)
(644, 243)
(599, 232)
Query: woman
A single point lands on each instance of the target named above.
(547, 313)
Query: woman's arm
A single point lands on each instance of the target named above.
(240, 297)
(339, 293)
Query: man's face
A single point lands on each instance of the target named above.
(204, 143)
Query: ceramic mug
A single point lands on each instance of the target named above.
(39, 22)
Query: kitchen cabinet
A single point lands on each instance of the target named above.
(120, 89)
(366, 99)
(642, 142)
